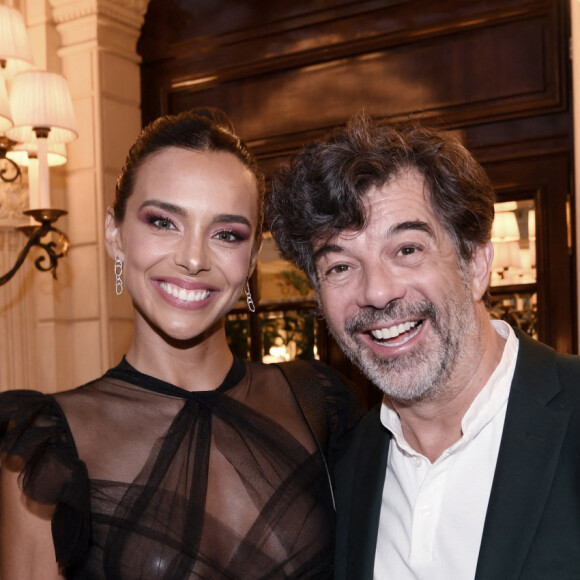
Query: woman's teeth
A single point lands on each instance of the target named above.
(394, 331)
(183, 294)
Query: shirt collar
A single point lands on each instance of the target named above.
(490, 400)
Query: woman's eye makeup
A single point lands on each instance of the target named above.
(161, 222)
(230, 235)
(227, 233)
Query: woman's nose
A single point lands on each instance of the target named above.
(192, 254)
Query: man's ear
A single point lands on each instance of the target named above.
(481, 263)
(113, 241)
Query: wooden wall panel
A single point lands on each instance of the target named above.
(458, 77)
(397, 57)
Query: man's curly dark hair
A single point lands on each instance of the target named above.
(320, 192)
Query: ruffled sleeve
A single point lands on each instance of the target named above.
(34, 428)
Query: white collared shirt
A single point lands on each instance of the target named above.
(432, 515)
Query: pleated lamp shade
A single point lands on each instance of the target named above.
(506, 255)
(5, 114)
(15, 50)
(505, 227)
(23, 152)
(41, 99)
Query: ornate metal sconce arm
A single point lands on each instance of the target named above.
(36, 233)
(10, 173)
(9, 170)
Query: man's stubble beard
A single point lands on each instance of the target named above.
(424, 372)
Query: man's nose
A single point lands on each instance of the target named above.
(381, 284)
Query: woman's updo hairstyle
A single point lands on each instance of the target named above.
(201, 129)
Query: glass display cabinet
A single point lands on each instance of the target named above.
(513, 280)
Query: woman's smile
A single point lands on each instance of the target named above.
(182, 294)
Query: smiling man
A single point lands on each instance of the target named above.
(470, 467)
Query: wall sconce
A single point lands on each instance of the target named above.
(36, 120)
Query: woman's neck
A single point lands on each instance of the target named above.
(196, 365)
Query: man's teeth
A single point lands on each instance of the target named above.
(183, 294)
(393, 331)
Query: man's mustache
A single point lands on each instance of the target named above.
(369, 317)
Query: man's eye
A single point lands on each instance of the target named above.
(338, 269)
(408, 250)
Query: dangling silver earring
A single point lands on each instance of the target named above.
(249, 300)
(118, 279)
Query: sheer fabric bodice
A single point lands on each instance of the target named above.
(152, 481)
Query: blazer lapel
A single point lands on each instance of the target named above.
(361, 502)
(528, 456)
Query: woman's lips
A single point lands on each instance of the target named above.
(183, 294)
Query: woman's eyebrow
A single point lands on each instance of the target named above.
(225, 218)
(178, 210)
(170, 207)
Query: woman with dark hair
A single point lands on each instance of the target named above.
(183, 461)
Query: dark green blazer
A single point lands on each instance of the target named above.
(532, 526)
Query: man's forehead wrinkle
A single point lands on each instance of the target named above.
(325, 249)
(331, 243)
(418, 225)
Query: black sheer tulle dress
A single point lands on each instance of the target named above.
(152, 481)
